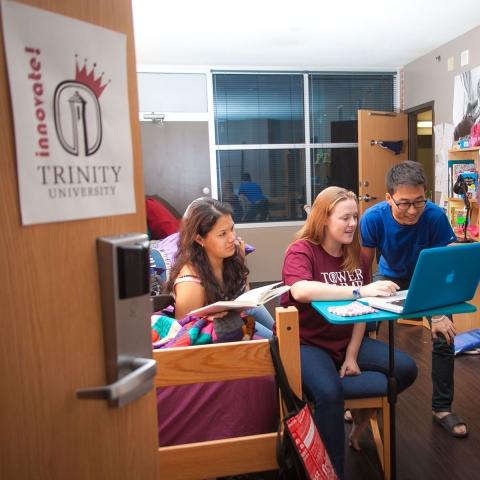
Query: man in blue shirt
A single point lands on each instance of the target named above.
(400, 228)
(257, 203)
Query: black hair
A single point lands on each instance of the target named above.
(407, 172)
(246, 177)
(199, 219)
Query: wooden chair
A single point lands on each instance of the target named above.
(382, 442)
(228, 361)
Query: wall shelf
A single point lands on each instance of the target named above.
(470, 320)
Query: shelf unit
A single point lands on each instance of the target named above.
(470, 320)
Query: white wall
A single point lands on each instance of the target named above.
(427, 79)
(176, 161)
(270, 243)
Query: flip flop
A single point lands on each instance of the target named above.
(449, 422)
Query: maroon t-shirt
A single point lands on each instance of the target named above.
(307, 261)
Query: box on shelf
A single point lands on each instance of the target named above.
(465, 162)
(467, 169)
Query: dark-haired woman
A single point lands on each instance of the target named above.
(210, 263)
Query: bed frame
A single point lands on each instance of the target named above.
(228, 361)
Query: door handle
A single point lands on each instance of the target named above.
(366, 198)
(132, 385)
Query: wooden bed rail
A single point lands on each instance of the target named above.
(229, 361)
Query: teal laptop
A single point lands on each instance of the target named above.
(443, 276)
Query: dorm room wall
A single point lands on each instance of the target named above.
(427, 78)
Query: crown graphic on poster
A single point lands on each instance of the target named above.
(82, 75)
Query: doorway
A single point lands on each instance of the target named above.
(420, 135)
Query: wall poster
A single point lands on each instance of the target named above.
(68, 87)
(466, 102)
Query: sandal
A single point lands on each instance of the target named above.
(449, 422)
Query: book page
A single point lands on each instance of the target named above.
(222, 307)
(252, 298)
(257, 294)
(274, 292)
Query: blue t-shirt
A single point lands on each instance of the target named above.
(252, 191)
(400, 245)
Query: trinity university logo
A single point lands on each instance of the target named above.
(77, 112)
(72, 122)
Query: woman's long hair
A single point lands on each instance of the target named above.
(314, 228)
(201, 216)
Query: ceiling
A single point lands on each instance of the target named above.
(304, 33)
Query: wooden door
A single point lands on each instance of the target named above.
(373, 160)
(52, 339)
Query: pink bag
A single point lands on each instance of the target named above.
(475, 135)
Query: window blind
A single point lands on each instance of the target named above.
(258, 108)
(335, 99)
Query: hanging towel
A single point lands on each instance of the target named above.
(395, 147)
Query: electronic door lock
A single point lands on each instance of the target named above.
(124, 267)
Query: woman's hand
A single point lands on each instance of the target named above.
(381, 288)
(213, 316)
(349, 368)
(240, 244)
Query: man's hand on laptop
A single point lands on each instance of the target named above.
(381, 288)
(442, 324)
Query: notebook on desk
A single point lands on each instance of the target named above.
(442, 276)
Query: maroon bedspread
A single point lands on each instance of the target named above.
(210, 411)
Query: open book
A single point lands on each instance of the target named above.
(252, 298)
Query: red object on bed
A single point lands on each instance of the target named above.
(161, 221)
(211, 411)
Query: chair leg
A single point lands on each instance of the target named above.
(377, 438)
(386, 439)
(382, 442)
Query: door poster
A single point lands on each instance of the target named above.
(69, 97)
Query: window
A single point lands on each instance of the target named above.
(264, 112)
(264, 152)
(269, 184)
(335, 99)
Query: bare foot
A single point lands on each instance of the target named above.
(361, 418)
(347, 416)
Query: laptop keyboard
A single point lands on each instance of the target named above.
(400, 302)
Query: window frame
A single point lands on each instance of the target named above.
(308, 146)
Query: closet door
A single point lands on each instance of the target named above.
(52, 335)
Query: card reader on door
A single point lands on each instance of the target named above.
(123, 262)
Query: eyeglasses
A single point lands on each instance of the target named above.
(417, 204)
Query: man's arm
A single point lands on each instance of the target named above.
(369, 255)
(442, 324)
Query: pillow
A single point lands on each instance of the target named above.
(162, 257)
(467, 342)
(161, 222)
(167, 205)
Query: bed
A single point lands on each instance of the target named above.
(249, 450)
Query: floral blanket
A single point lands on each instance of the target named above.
(168, 332)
